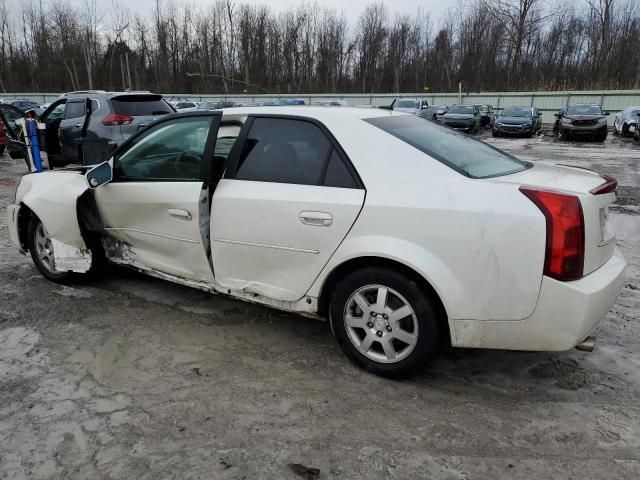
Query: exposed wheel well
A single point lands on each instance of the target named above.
(23, 225)
(366, 262)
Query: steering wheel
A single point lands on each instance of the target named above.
(187, 165)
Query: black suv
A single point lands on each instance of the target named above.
(581, 120)
(84, 127)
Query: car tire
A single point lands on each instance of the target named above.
(395, 348)
(601, 137)
(625, 130)
(494, 133)
(2, 149)
(563, 135)
(37, 233)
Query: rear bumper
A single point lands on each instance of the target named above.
(565, 314)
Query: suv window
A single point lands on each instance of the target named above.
(169, 151)
(463, 153)
(141, 105)
(75, 110)
(283, 151)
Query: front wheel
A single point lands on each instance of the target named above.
(625, 130)
(42, 253)
(384, 322)
(563, 134)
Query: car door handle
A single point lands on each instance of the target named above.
(179, 214)
(316, 219)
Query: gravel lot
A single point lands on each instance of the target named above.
(130, 377)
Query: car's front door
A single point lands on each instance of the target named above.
(288, 199)
(158, 201)
(72, 126)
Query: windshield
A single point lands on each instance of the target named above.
(406, 104)
(466, 110)
(584, 110)
(517, 112)
(462, 153)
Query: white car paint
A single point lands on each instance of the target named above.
(479, 243)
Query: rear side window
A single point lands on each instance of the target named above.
(140, 105)
(284, 151)
(462, 153)
(337, 174)
(75, 109)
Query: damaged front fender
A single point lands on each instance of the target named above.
(53, 198)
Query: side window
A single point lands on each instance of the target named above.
(283, 151)
(57, 113)
(338, 175)
(75, 110)
(170, 151)
(94, 105)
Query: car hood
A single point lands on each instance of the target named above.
(515, 120)
(458, 116)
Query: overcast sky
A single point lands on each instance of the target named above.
(351, 8)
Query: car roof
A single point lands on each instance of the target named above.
(317, 112)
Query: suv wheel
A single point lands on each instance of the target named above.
(2, 149)
(384, 322)
(563, 134)
(625, 130)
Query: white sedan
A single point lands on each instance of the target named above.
(404, 234)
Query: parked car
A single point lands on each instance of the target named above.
(185, 106)
(398, 272)
(626, 121)
(25, 104)
(216, 105)
(487, 115)
(291, 101)
(523, 121)
(434, 112)
(409, 105)
(582, 120)
(462, 117)
(636, 133)
(102, 120)
(8, 128)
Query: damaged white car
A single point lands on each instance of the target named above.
(404, 234)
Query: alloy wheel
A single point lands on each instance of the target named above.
(381, 324)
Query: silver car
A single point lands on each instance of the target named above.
(626, 122)
(409, 105)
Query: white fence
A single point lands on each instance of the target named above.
(548, 102)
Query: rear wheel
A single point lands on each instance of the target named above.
(625, 130)
(384, 322)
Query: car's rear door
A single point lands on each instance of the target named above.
(288, 199)
(158, 200)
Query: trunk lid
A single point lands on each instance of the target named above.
(599, 239)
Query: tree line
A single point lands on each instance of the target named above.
(229, 47)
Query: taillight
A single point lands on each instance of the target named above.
(117, 119)
(564, 255)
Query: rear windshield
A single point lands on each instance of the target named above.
(461, 152)
(141, 105)
(461, 109)
(517, 112)
(406, 104)
(584, 110)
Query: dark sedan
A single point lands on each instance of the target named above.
(521, 121)
(462, 117)
(588, 120)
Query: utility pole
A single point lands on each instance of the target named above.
(460, 93)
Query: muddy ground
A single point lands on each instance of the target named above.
(129, 377)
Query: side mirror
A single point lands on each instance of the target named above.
(606, 113)
(99, 175)
(557, 115)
